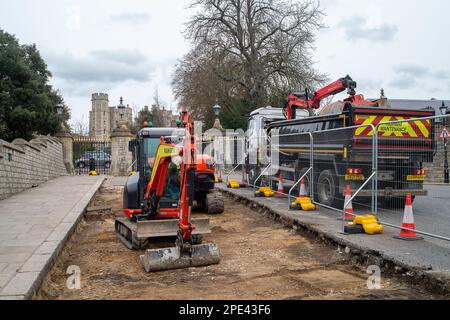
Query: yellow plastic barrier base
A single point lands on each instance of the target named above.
(233, 184)
(264, 192)
(303, 203)
(93, 173)
(369, 224)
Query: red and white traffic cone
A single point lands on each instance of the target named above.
(348, 215)
(408, 222)
(280, 191)
(303, 192)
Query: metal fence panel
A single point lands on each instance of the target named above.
(342, 161)
(91, 154)
(412, 159)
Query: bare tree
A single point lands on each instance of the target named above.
(263, 46)
(81, 127)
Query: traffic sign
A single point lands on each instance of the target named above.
(445, 134)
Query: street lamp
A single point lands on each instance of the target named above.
(444, 110)
(121, 109)
(217, 109)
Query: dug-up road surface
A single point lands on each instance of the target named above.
(260, 259)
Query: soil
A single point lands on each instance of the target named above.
(260, 259)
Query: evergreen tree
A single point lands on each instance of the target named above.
(27, 100)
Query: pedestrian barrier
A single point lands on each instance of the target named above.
(411, 159)
(377, 163)
(302, 192)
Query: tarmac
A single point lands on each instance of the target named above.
(34, 226)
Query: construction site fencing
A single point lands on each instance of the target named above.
(380, 163)
(341, 165)
(411, 158)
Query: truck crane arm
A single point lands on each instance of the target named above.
(303, 100)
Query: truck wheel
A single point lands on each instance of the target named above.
(214, 203)
(328, 189)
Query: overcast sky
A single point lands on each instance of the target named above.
(127, 48)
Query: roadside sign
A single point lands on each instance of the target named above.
(445, 134)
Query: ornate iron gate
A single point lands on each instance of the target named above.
(90, 153)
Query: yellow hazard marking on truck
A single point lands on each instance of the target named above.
(397, 129)
(423, 128)
(388, 127)
(364, 125)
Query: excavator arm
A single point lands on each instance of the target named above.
(186, 253)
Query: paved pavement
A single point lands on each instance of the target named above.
(34, 226)
(431, 257)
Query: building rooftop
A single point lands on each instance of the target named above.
(417, 104)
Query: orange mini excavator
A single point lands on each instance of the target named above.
(151, 197)
(173, 161)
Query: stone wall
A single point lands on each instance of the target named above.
(435, 170)
(27, 164)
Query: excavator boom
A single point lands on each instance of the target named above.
(186, 252)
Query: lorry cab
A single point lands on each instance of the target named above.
(258, 122)
(143, 149)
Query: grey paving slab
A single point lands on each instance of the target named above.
(15, 257)
(11, 298)
(48, 247)
(34, 226)
(23, 283)
(36, 262)
(16, 249)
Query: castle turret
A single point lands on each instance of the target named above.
(99, 117)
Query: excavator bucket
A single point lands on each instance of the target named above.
(174, 258)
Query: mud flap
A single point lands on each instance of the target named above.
(173, 258)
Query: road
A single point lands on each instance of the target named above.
(431, 213)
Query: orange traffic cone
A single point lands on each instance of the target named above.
(303, 192)
(348, 216)
(408, 222)
(280, 191)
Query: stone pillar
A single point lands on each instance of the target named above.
(121, 157)
(67, 141)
